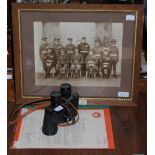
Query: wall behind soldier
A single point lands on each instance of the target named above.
(75, 30)
(51, 31)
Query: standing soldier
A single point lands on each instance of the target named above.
(70, 47)
(84, 50)
(84, 47)
(57, 46)
(114, 54)
(43, 48)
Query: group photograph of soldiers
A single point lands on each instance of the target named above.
(70, 61)
(79, 59)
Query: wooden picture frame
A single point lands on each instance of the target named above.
(104, 24)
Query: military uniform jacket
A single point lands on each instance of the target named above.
(51, 58)
(77, 59)
(114, 53)
(63, 59)
(84, 47)
(97, 51)
(70, 48)
(42, 48)
(106, 61)
(57, 48)
(90, 59)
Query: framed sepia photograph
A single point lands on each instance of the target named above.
(95, 48)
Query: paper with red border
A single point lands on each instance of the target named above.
(93, 131)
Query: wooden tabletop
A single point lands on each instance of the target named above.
(129, 128)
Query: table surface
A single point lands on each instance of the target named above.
(129, 129)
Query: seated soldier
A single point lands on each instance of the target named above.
(91, 64)
(62, 62)
(43, 54)
(49, 62)
(76, 61)
(105, 64)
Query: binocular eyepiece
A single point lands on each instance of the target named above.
(62, 109)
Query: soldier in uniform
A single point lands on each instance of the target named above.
(114, 54)
(84, 50)
(43, 48)
(70, 47)
(76, 62)
(57, 46)
(105, 64)
(91, 64)
(49, 62)
(62, 66)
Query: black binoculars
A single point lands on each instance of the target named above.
(63, 109)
